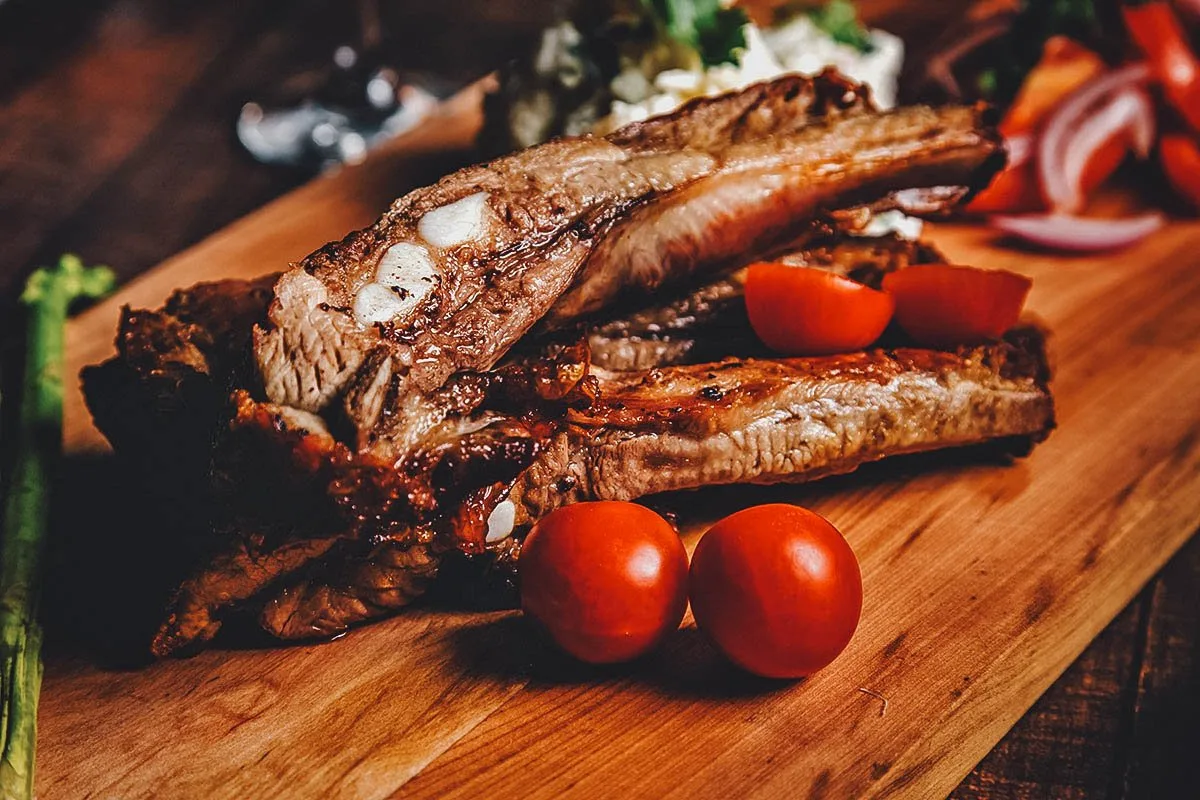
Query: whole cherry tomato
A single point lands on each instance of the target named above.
(943, 305)
(801, 311)
(777, 589)
(607, 580)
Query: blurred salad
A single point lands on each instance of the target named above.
(1085, 87)
(609, 63)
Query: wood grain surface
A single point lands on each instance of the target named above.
(92, 162)
(983, 582)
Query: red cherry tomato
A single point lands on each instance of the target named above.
(777, 589)
(1180, 156)
(942, 305)
(804, 311)
(607, 580)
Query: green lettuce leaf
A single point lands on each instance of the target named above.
(715, 33)
(839, 19)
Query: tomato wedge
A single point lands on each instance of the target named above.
(804, 311)
(1180, 156)
(942, 305)
(1065, 65)
(1155, 28)
(1104, 162)
(1014, 190)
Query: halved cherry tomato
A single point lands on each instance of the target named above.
(1065, 65)
(807, 311)
(607, 580)
(777, 589)
(1156, 30)
(1015, 190)
(943, 305)
(1180, 156)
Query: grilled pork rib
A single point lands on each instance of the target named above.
(710, 323)
(772, 421)
(739, 421)
(455, 273)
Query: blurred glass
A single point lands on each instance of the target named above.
(355, 102)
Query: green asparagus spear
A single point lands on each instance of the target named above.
(38, 445)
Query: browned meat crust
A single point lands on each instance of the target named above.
(739, 421)
(174, 368)
(710, 323)
(787, 420)
(566, 228)
(291, 495)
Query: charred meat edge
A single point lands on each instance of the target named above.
(740, 421)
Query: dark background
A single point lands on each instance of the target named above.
(116, 143)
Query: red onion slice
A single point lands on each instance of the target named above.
(1125, 110)
(1076, 112)
(1020, 149)
(1079, 234)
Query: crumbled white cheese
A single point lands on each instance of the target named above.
(459, 222)
(795, 46)
(801, 46)
(501, 521)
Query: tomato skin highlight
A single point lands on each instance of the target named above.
(1180, 156)
(778, 590)
(802, 311)
(607, 580)
(1157, 31)
(943, 305)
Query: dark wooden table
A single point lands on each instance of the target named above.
(116, 143)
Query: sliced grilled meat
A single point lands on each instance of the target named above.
(710, 323)
(757, 421)
(160, 396)
(286, 493)
(683, 427)
(455, 273)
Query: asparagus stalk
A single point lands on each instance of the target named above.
(38, 444)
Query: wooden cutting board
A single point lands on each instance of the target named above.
(983, 582)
